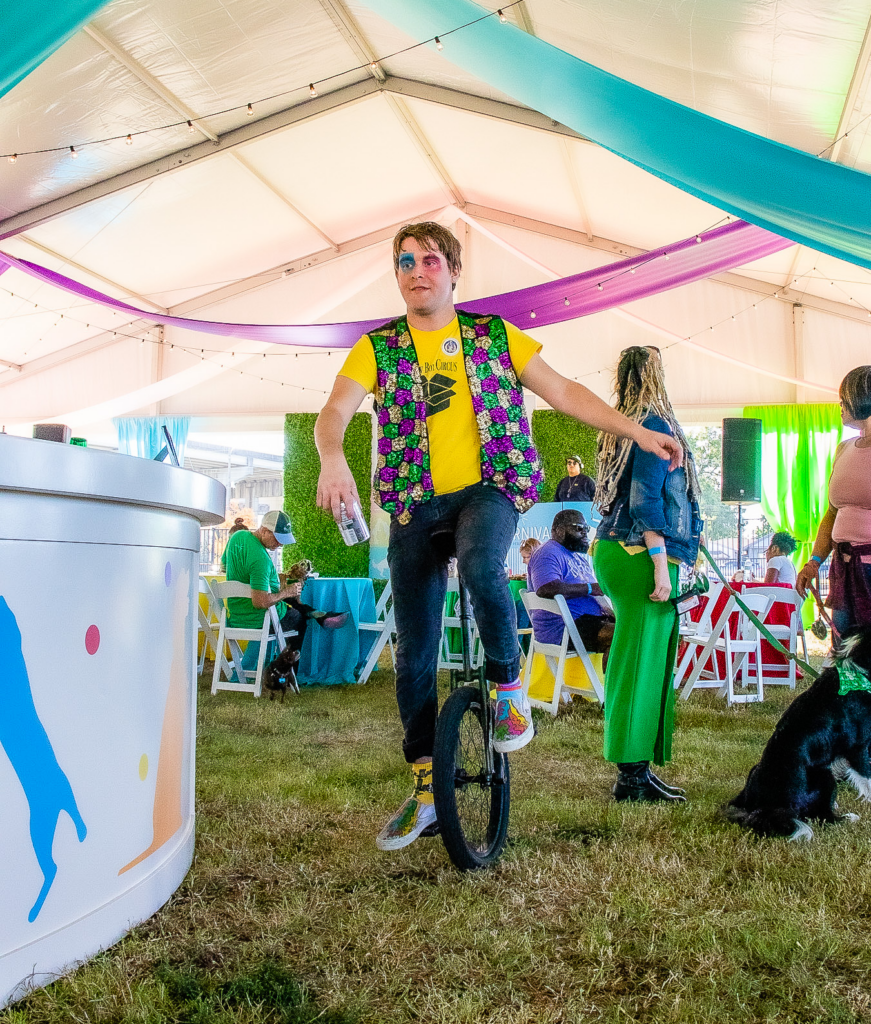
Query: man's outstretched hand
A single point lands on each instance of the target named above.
(663, 445)
(336, 485)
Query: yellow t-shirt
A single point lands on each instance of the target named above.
(454, 440)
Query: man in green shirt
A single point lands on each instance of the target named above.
(246, 560)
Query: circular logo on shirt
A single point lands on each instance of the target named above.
(450, 346)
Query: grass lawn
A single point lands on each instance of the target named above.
(597, 912)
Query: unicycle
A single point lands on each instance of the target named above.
(470, 781)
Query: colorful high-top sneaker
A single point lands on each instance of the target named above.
(513, 726)
(415, 815)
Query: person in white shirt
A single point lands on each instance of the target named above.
(779, 568)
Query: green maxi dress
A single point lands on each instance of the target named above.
(639, 690)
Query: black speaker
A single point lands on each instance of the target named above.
(742, 461)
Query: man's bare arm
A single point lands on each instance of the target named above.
(554, 587)
(573, 399)
(336, 484)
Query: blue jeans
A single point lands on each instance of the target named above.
(483, 521)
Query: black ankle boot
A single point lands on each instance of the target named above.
(634, 783)
(664, 786)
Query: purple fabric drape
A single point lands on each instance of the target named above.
(693, 259)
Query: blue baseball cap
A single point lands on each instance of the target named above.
(278, 523)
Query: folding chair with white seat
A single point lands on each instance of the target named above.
(384, 627)
(735, 650)
(235, 677)
(449, 659)
(208, 623)
(689, 626)
(788, 635)
(556, 655)
(701, 646)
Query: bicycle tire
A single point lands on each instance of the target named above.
(472, 813)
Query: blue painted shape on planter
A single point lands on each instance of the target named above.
(26, 744)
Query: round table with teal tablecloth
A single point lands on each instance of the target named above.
(331, 656)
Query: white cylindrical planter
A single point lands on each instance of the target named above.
(99, 566)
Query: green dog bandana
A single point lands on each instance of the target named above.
(851, 678)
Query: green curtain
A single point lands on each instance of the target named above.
(32, 31)
(798, 448)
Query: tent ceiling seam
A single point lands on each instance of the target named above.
(128, 292)
(353, 36)
(417, 135)
(263, 180)
(147, 79)
(852, 96)
(277, 122)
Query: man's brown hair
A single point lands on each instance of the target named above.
(434, 237)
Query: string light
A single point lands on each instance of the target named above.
(600, 287)
(373, 65)
(698, 238)
(129, 140)
(532, 314)
(566, 302)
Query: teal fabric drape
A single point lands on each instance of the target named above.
(143, 435)
(798, 448)
(32, 31)
(795, 194)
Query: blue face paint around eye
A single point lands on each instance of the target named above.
(406, 261)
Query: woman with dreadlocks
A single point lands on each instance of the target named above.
(650, 524)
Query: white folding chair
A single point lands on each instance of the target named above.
(208, 623)
(701, 648)
(383, 627)
(737, 650)
(449, 659)
(788, 635)
(234, 676)
(556, 655)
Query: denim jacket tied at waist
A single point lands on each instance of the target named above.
(649, 497)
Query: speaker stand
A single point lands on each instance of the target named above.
(740, 564)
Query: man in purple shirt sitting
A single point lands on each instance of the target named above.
(561, 566)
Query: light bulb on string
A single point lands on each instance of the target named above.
(600, 286)
(438, 43)
(73, 152)
(566, 302)
(666, 255)
(532, 314)
(13, 158)
(698, 238)
(373, 66)
(250, 110)
(311, 90)
(129, 140)
(190, 127)
(502, 17)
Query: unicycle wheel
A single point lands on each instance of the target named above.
(472, 809)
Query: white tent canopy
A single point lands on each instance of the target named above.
(285, 214)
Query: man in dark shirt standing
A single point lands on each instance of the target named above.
(576, 486)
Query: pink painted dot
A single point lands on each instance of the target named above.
(167, 573)
(92, 640)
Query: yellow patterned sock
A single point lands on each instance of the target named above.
(423, 782)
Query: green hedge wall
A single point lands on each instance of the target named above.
(317, 536)
(556, 436)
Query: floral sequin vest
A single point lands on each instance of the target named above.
(508, 459)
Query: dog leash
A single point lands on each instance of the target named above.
(775, 643)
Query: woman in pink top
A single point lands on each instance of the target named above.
(846, 526)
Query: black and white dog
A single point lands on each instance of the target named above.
(821, 738)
